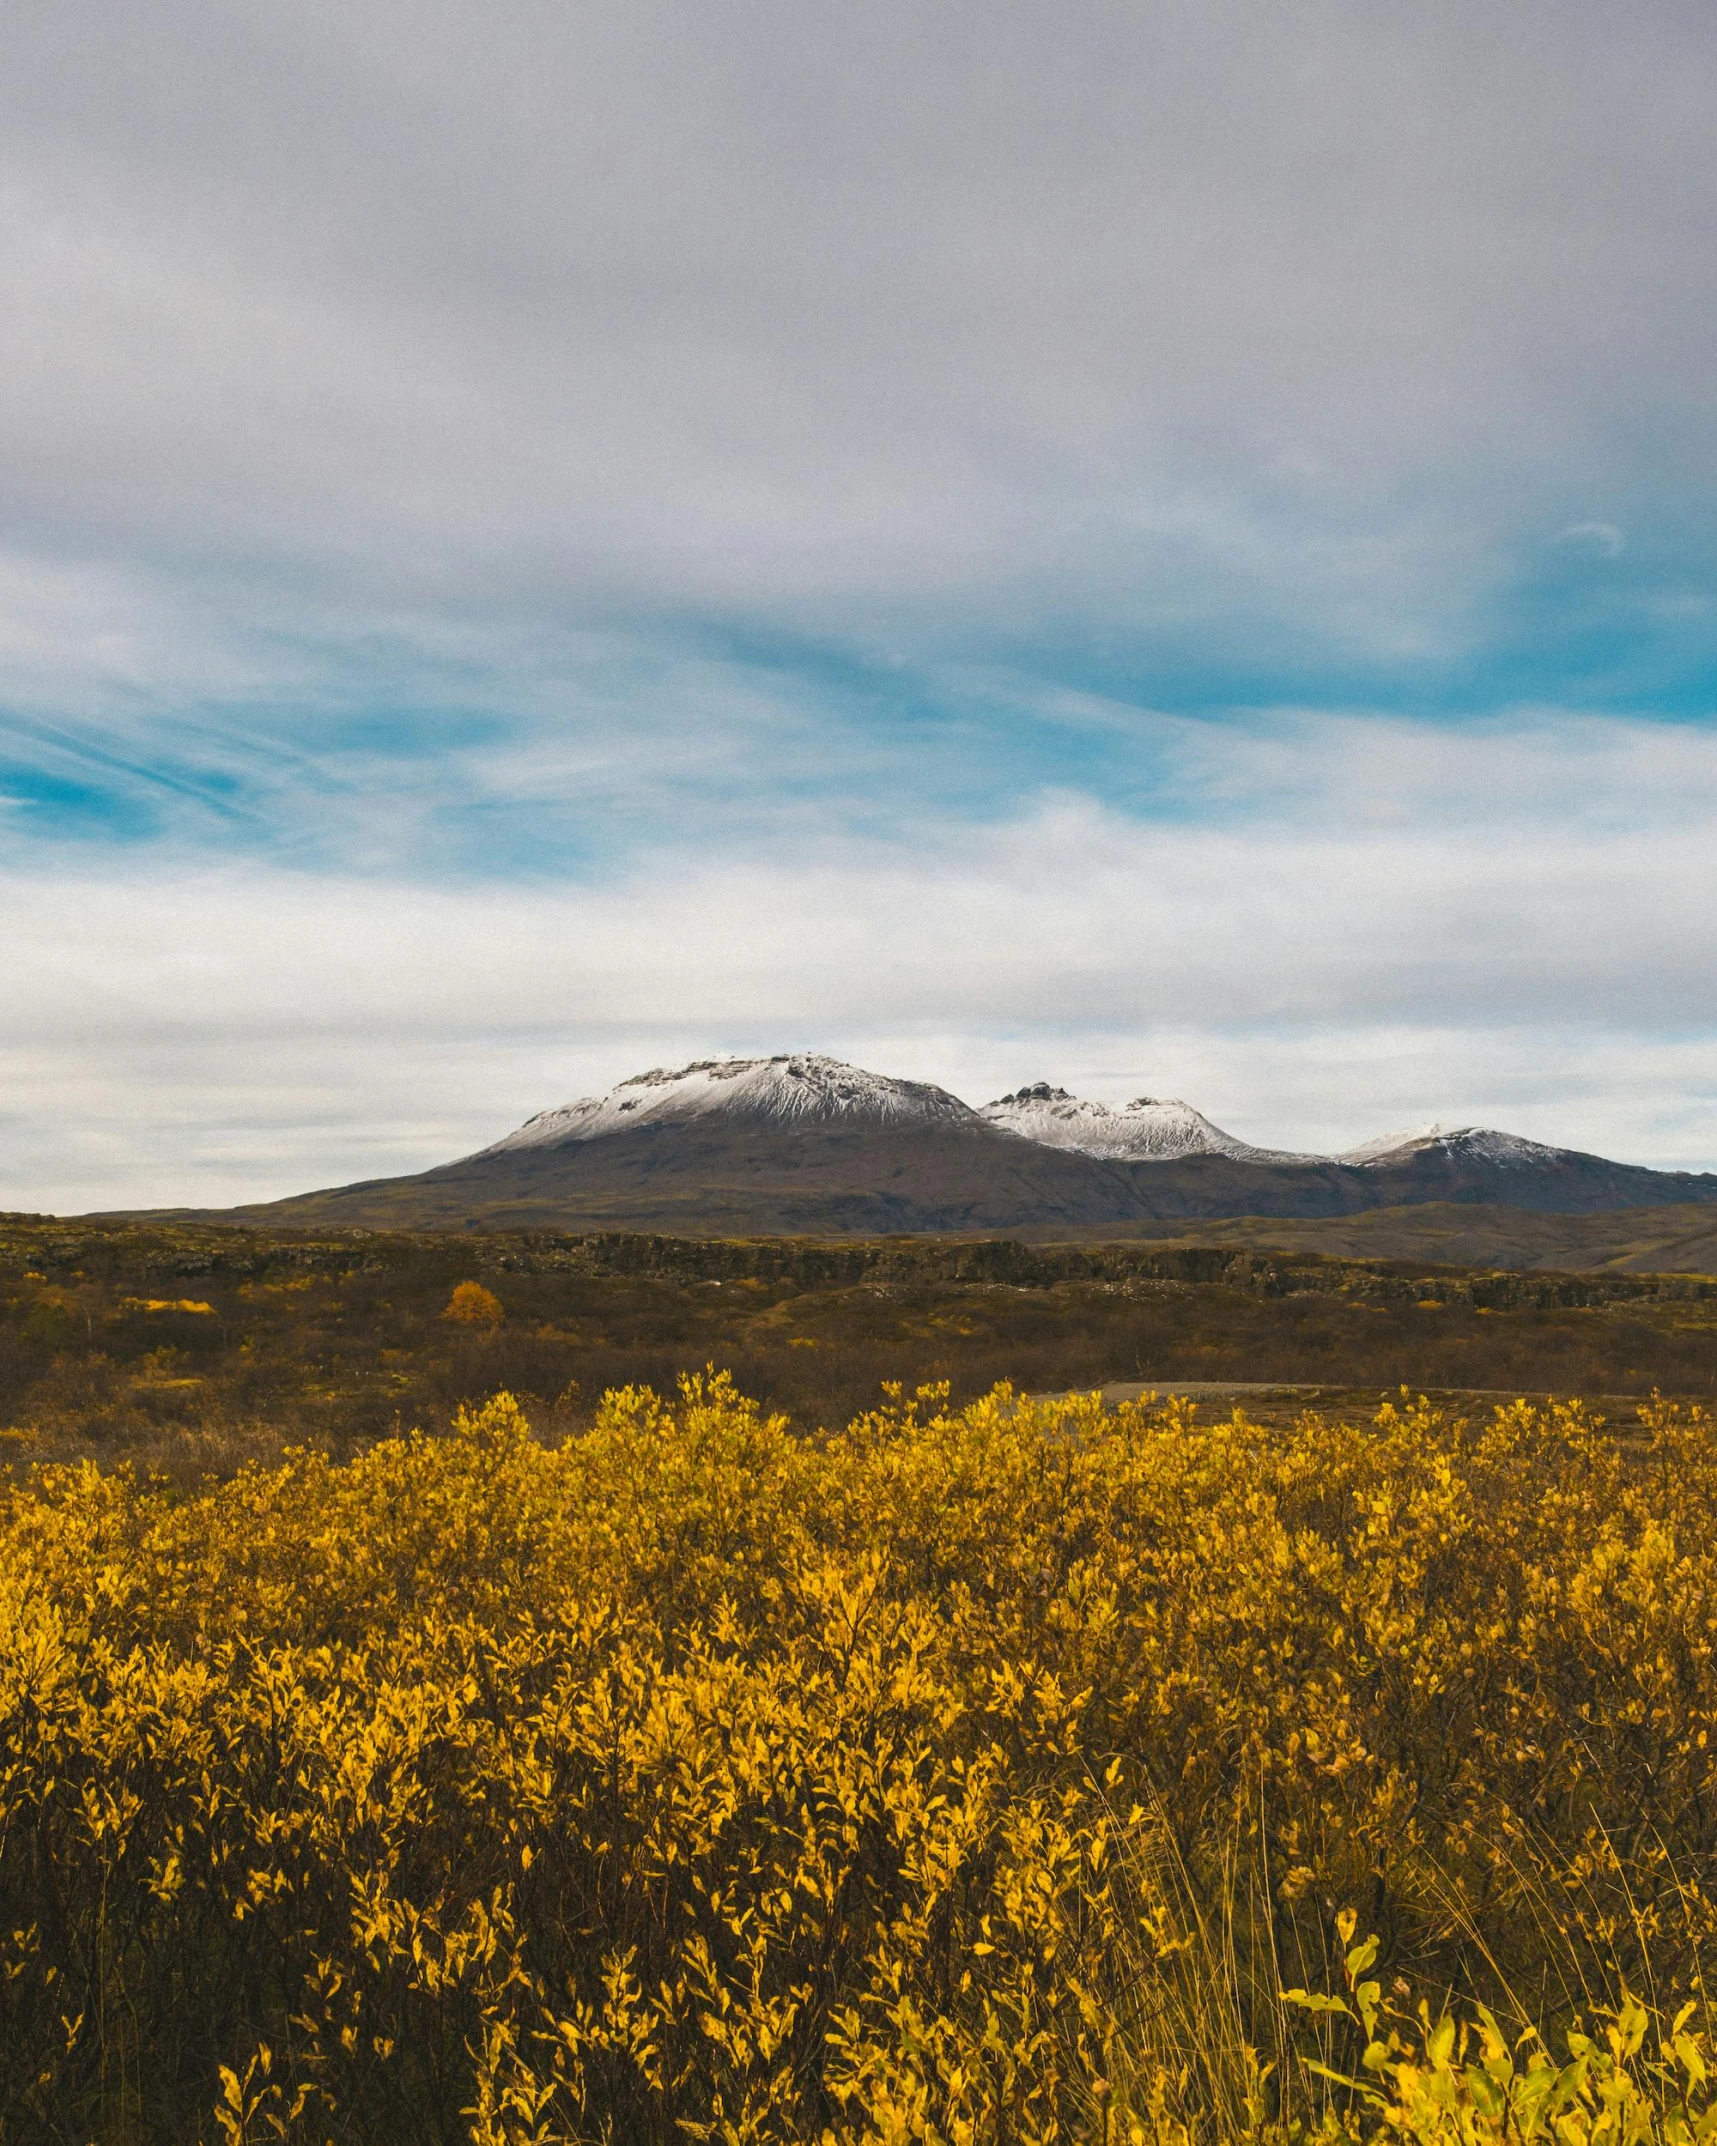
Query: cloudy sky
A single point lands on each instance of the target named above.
(1168, 547)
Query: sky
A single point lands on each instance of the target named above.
(1170, 548)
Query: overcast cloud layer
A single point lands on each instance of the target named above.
(1163, 547)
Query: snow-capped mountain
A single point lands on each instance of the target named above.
(801, 1144)
(1459, 1143)
(794, 1090)
(1148, 1129)
(804, 1089)
(1165, 1129)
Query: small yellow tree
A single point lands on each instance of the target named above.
(473, 1305)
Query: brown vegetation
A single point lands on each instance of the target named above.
(1633, 1240)
(192, 1348)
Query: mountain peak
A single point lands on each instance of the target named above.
(1476, 1143)
(1148, 1129)
(793, 1089)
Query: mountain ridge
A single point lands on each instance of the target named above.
(1148, 1129)
(792, 1088)
(803, 1144)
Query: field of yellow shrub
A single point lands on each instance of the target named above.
(1025, 1773)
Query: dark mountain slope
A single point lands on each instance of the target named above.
(722, 1178)
(1468, 1168)
(719, 1176)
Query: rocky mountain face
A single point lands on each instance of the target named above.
(1148, 1129)
(790, 1092)
(1467, 1143)
(802, 1144)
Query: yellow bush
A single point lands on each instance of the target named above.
(474, 1305)
(961, 1777)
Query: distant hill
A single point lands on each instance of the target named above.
(1628, 1240)
(806, 1145)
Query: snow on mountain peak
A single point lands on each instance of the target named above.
(1478, 1143)
(804, 1089)
(793, 1089)
(1148, 1129)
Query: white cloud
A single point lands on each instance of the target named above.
(1464, 953)
(903, 302)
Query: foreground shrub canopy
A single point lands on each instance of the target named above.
(970, 1776)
